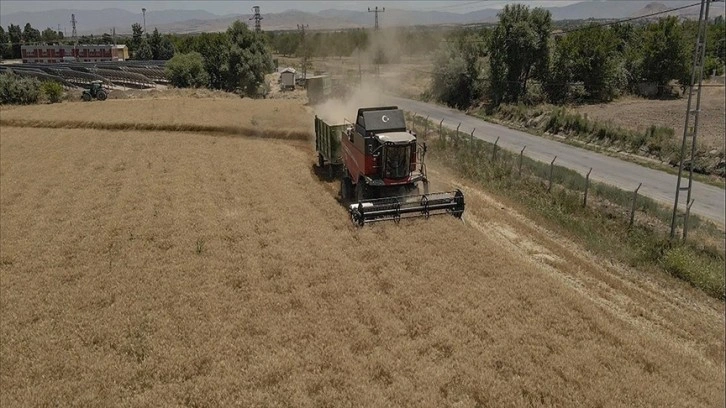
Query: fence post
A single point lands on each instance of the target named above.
(441, 128)
(494, 149)
(471, 139)
(413, 121)
(632, 208)
(685, 220)
(552, 167)
(426, 127)
(587, 187)
(521, 154)
(456, 141)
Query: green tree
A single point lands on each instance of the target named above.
(155, 44)
(136, 37)
(166, 49)
(30, 34)
(248, 60)
(106, 38)
(49, 35)
(456, 79)
(593, 60)
(625, 34)
(287, 44)
(716, 42)
(15, 35)
(187, 70)
(557, 85)
(144, 51)
(4, 44)
(664, 54)
(518, 51)
(214, 47)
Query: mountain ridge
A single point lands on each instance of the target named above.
(193, 21)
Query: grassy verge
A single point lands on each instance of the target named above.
(656, 147)
(603, 224)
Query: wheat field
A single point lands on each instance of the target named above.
(144, 268)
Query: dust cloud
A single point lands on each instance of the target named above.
(384, 46)
(339, 110)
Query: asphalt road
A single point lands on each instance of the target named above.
(709, 200)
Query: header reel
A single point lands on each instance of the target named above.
(397, 208)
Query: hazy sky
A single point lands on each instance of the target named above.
(267, 6)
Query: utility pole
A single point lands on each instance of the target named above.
(143, 12)
(376, 11)
(302, 28)
(691, 132)
(258, 18)
(114, 36)
(74, 35)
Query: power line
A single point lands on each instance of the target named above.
(625, 20)
(690, 134)
(609, 23)
(376, 11)
(302, 28)
(258, 18)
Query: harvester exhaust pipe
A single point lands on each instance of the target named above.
(396, 208)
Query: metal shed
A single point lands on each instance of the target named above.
(287, 78)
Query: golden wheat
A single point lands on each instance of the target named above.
(146, 268)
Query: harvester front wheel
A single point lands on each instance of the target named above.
(345, 188)
(361, 191)
(101, 96)
(86, 96)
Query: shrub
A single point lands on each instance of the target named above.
(712, 66)
(698, 269)
(17, 90)
(187, 71)
(53, 90)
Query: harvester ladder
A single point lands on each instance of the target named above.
(690, 130)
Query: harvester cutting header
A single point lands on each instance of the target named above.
(382, 167)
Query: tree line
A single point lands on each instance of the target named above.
(524, 60)
(11, 39)
(142, 46)
(235, 60)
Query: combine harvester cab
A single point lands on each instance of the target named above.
(383, 164)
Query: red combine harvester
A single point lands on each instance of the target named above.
(383, 164)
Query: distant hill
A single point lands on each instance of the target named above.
(100, 21)
(716, 9)
(651, 8)
(193, 21)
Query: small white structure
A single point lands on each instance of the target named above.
(287, 78)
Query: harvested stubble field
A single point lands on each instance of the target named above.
(640, 113)
(147, 268)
